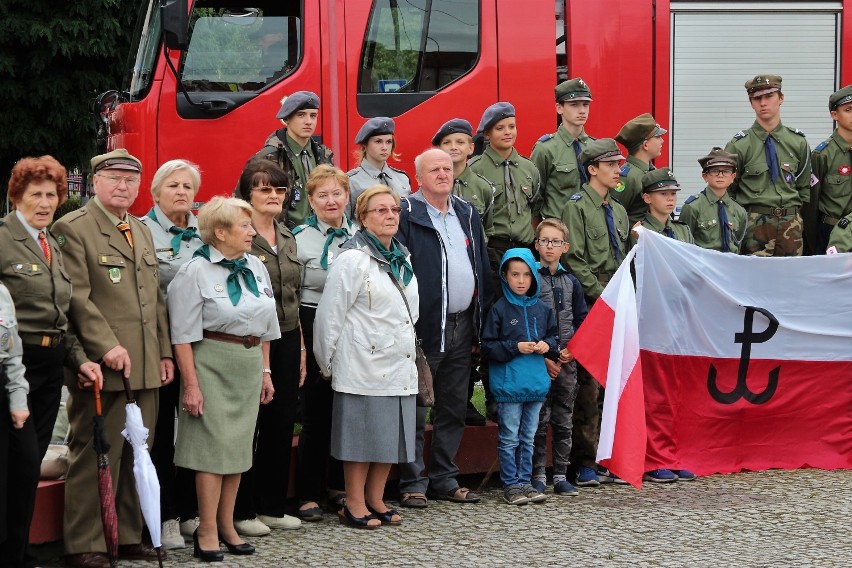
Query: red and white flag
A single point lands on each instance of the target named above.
(746, 361)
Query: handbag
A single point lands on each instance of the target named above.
(425, 390)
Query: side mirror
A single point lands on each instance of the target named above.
(175, 20)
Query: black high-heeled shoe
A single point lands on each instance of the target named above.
(241, 549)
(348, 519)
(386, 518)
(205, 555)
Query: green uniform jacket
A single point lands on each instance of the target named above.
(479, 192)
(278, 149)
(832, 165)
(701, 214)
(753, 186)
(591, 257)
(115, 297)
(841, 235)
(556, 160)
(680, 230)
(629, 190)
(42, 293)
(512, 211)
(285, 274)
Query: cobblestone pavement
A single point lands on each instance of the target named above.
(771, 518)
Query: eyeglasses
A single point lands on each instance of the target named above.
(718, 173)
(116, 180)
(551, 242)
(383, 211)
(267, 189)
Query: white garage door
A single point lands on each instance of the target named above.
(717, 46)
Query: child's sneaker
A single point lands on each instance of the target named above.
(534, 495)
(515, 496)
(564, 487)
(539, 485)
(660, 476)
(587, 477)
(683, 474)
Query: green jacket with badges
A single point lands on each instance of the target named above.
(832, 167)
(513, 207)
(753, 186)
(285, 274)
(556, 160)
(479, 192)
(841, 235)
(278, 149)
(628, 192)
(701, 214)
(591, 257)
(679, 229)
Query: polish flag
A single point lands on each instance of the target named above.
(607, 345)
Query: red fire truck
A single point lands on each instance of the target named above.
(207, 77)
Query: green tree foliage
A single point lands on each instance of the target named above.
(55, 58)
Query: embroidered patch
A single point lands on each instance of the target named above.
(843, 223)
(4, 341)
(513, 321)
(268, 292)
(620, 187)
(61, 240)
(219, 288)
(844, 170)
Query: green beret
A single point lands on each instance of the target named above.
(641, 128)
(717, 157)
(601, 150)
(841, 97)
(118, 159)
(763, 85)
(572, 90)
(660, 179)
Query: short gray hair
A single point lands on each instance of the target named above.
(419, 159)
(171, 167)
(220, 213)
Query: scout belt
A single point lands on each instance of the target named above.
(42, 340)
(774, 211)
(246, 341)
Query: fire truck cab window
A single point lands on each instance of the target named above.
(415, 47)
(240, 49)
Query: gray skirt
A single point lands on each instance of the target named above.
(377, 429)
(220, 440)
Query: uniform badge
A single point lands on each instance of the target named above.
(19, 266)
(620, 187)
(258, 278)
(114, 275)
(843, 223)
(268, 292)
(4, 341)
(513, 321)
(61, 240)
(330, 256)
(814, 180)
(219, 288)
(788, 178)
(35, 267)
(844, 170)
(262, 257)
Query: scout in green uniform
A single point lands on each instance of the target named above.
(841, 235)
(717, 222)
(455, 137)
(295, 151)
(831, 198)
(556, 155)
(659, 192)
(774, 167)
(643, 138)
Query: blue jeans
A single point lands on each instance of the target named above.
(518, 422)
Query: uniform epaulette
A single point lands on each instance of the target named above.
(576, 197)
(353, 172)
(678, 222)
(797, 131)
(739, 135)
(690, 199)
(822, 146)
(298, 229)
(74, 215)
(625, 169)
(474, 159)
(843, 223)
(486, 180)
(545, 138)
(403, 172)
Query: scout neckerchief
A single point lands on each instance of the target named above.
(343, 232)
(395, 257)
(237, 267)
(179, 234)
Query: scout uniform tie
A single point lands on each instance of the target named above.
(723, 226)
(124, 227)
(45, 247)
(384, 178)
(457, 187)
(668, 232)
(584, 177)
(771, 158)
(610, 227)
(306, 164)
(509, 185)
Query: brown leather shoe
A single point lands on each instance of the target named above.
(140, 551)
(87, 560)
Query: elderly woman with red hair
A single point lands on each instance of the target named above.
(31, 267)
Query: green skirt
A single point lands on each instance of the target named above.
(220, 440)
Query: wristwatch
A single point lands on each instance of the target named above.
(266, 371)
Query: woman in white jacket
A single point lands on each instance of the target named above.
(364, 340)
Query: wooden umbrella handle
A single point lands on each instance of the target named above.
(98, 409)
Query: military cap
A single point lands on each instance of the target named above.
(454, 126)
(600, 150)
(118, 159)
(660, 179)
(841, 97)
(299, 100)
(572, 90)
(717, 157)
(636, 131)
(494, 114)
(763, 85)
(376, 126)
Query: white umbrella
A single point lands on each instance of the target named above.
(147, 483)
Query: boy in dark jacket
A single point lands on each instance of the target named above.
(520, 331)
(563, 292)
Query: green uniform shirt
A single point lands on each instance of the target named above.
(285, 274)
(477, 190)
(680, 230)
(556, 160)
(832, 165)
(512, 211)
(701, 214)
(753, 185)
(841, 235)
(591, 257)
(629, 190)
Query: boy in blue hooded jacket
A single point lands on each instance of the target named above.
(520, 331)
